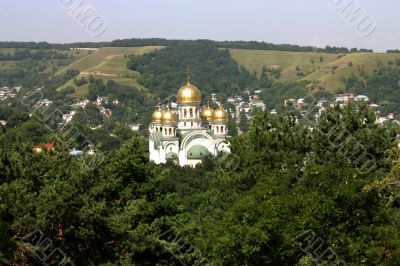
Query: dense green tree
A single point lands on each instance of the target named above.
(110, 212)
(213, 70)
(292, 179)
(382, 87)
(243, 122)
(80, 82)
(275, 96)
(30, 131)
(232, 128)
(91, 116)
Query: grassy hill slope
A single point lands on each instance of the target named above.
(52, 65)
(108, 63)
(331, 75)
(323, 69)
(105, 55)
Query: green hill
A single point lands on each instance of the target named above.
(331, 75)
(104, 55)
(323, 69)
(108, 63)
(254, 60)
(52, 65)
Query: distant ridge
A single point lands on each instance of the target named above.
(250, 45)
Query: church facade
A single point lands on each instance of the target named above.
(189, 134)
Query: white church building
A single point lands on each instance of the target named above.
(190, 133)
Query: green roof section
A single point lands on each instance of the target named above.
(171, 156)
(197, 152)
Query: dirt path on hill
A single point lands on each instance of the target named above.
(99, 74)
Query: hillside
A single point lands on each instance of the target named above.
(332, 79)
(108, 63)
(51, 65)
(105, 56)
(323, 69)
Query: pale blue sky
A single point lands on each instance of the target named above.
(303, 22)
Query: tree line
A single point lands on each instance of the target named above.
(36, 55)
(136, 42)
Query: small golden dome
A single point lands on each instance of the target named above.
(220, 115)
(169, 117)
(157, 116)
(189, 94)
(207, 114)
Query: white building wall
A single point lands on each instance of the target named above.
(195, 134)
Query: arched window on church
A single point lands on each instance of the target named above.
(170, 131)
(217, 129)
(165, 131)
(191, 112)
(191, 124)
(184, 113)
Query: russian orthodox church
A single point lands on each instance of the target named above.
(190, 133)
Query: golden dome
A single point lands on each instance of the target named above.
(220, 115)
(169, 117)
(189, 94)
(207, 114)
(157, 116)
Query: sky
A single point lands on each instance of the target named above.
(369, 24)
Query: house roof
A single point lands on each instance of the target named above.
(48, 145)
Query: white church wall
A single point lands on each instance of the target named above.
(222, 146)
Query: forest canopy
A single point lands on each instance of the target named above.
(286, 181)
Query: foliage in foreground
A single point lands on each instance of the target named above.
(290, 179)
